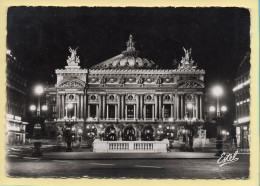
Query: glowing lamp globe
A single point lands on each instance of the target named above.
(44, 108)
(38, 89)
(223, 108)
(212, 109)
(189, 106)
(217, 91)
(70, 106)
(32, 107)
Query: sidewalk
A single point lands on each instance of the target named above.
(103, 156)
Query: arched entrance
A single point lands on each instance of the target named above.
(110, 133)
(129, 133)
(147, 134)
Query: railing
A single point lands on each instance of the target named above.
(130, 146)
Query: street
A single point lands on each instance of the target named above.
(157, 168)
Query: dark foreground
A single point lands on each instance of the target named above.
(160, 168)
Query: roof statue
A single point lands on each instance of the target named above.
(187, 61)
(73, 59)
(130, 47)
(128, 59)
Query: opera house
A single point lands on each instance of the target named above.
(127, 98)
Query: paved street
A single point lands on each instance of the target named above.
(145, 168)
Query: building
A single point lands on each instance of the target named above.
(242, 96)
(127, 98)
(16, 101)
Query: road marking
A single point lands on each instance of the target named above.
(62, 161)
(148, 166)
(100, 164)
(30, 158)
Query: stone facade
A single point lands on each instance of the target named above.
(16, 101)
(242, 96)
(128, 98)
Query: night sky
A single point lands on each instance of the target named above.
(219, 38)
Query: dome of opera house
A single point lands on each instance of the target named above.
(128, 59)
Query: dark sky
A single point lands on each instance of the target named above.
(219, 38)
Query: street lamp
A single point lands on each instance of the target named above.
(217, 92)
(44, 108)
(38, 90)
(32, 108)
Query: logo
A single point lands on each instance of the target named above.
(227, 158)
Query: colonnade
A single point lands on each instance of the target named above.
(178, 106)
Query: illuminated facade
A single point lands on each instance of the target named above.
(127, 98)
(16, 101)
(242, 95)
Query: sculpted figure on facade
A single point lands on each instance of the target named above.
(187, 61)
(73, 59)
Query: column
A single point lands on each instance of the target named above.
(156, 107)
(201, 107)
(153, 113)
(75, 111)
(107, 116)
(118, 106)
(81, 106)
(116, 112)
(144, 111)
(182, 107)
(137, 106)
(177, 107)
(58, 106)
(141, 107)
(163, 109)
(88, 111)
(134, 111)
(193, 111)
(84, 106)
(99, 107)
(197, 107)
(172, 111)
(104, 106)
(62, 106)
(160, 107)
(122, 106)
(78, 107)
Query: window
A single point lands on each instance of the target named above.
(167, 111)
(149, 111)
(111, 98)
(71, 97)
(93, 98)
(130, 111)
(111, 111)
(167, 98)
(130, 98)
(93, 111)
(70, 110)
(149, 98)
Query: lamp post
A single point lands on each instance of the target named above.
(38, 90)
(69, 133)
(217, 92)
